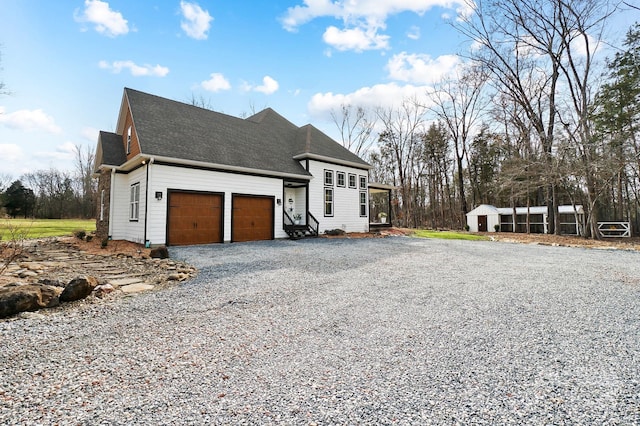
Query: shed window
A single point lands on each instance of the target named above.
(340, 178)
(328, 177)
(328, 201)
(134, 202)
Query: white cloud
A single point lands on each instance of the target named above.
(216, 83)
(136, 70)
(357, 39)
(196, 22)
(421, 68)
(66, 151)
(106, 21)
(89, 133)
(268, 86)
(579, 43)
(414, 32)
(362, 18)
(29, 120)
(11, 153)
(380, 95)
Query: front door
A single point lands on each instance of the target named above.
(482, 223)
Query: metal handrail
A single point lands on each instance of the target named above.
(313, 223)
(287, 221)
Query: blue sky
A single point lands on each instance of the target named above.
(66, 62)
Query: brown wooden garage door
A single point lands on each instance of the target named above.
(251, 218)
(194, 218)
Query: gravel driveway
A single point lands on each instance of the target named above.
(369, 331)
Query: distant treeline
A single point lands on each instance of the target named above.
(52, 194)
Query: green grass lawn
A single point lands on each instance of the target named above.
(38, 228)
(448, 235)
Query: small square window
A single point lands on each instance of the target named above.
(363, 182)
(340, 179)
(352, 181)
(328, 177)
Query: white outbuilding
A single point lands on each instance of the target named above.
(488, 218)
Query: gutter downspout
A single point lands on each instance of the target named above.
(147, 243)
(112, 188)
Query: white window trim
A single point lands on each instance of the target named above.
(134, 202)
(328, 174)
(361, 179)
(362, 205)
(129, 140)
(355, 181)
(332, 202)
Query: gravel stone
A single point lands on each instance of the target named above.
(344, 331)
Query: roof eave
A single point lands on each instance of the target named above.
(311, 156)
(224, 167)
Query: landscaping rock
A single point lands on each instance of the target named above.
(29, 297)
(136, 288)
(159, 253)
(78, 288)
(103, 290)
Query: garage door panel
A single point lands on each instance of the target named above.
(194, 218)
(252, 218)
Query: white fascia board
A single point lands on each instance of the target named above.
(322, 158)
(205, 165)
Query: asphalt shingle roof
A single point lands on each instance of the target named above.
(265, 141)
(112, 149)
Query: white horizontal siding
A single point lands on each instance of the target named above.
(346, 208)
(163, 178)
(121, 227)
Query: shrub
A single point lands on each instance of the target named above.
(466, 228)
(80, 234)
(336, 231)
(496, 227)
(104, 243)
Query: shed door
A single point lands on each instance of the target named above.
(194, 218)
(482, 223)
(251, 218)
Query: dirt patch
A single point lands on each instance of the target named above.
(566, 240)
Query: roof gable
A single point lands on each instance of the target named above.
(264, 142)
(110, 150)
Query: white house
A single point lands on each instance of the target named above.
(173, 174)
(485, 218)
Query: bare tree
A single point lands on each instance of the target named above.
(458, 104)
(200, 101)
(84, 163)
(580, 27)
(5, 181)
(400, 141)
(529, 48)
(520, 49)
(356, 125)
